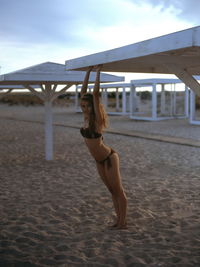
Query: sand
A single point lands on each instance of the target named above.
(56, 213)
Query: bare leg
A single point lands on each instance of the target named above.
(116, 206)
(122, 200)
(101, 170)
(114, 179)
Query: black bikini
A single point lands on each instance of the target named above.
(86, 133)
(107, 159)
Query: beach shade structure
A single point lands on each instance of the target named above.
(176, 53)
(158, 99)
(52, 80)
(144, 99)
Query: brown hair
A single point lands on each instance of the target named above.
(92, 119)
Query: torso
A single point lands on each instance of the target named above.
(97, 147)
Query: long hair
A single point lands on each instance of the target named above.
(92, 118)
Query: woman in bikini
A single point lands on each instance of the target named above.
(107, 160)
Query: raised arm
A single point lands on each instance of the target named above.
(85, 82)
(97, 81)
(96, 97)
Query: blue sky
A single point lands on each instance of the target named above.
(35, 31)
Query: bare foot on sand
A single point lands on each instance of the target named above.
(117, 226)
(121, 227)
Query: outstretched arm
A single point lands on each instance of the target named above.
(85, 82)
(97, 80)
(96, 98)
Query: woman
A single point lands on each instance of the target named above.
(107, 160)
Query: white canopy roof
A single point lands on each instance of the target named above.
(149, 56)
(53, 73)
(176, 53)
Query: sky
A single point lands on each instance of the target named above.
(36, 31)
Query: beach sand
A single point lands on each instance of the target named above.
(56, 213)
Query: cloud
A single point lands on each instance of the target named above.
(54, 20)
(32, 21)
(184, 9)
(33, 31)
(70, 23)
(136, 22)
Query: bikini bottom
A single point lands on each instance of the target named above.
(107, 159)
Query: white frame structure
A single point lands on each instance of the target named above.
(129, 88)
(153, 83)
(193, 119)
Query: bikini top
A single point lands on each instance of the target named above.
(85, 132)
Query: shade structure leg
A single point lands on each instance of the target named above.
(192, 106)
(154, 102)
(124, 101)
(186, 103)
(76, 99)
(117, 99)
(162, 100)
(48, 131)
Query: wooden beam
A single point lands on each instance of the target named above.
(54, 87)
(63, 90)
(42, 87)
(185, 77)
(40, 95)
(5, 93)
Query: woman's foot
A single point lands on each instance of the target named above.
(122, 227)
(113, 225)
(117, 226)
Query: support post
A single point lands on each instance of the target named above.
(174, 101)
(171, 100)
(124, 101)
(154, 102)
(186, 103)
(185, 77)
(48, 95)
(106, 97)
(133, 100)
(102, 96)
(117, 99)
(192, 106)
(162, 100)
(48, 131)
(76, 98)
